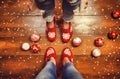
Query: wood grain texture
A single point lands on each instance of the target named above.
(17, 24)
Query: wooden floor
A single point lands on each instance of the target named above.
(17, 24)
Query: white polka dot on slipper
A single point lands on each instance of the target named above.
(25, 46)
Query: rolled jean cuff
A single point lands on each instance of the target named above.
(49, 18)
(67, 19)
(68, 16)
(68, 9)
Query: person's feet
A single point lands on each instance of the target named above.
(66, 31)
(50, 55)
(67, 56)
(51, 30)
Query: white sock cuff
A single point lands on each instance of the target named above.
(49, 18)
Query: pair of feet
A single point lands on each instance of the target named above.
(67, 55)
(66, 31)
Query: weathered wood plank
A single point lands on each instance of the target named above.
(28, 66)
(17, 24)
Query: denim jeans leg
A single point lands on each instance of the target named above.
(68, 7)
(70, 72)
(48, 6)
(48, 72)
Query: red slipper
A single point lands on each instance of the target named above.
(67, 53)
(50, 52)
(66, 33)
(51, 32)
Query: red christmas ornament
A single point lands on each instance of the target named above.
(99, 42)
(35, 48)
(112, 35)
(35, 37)
(76, 42)
(116, 14)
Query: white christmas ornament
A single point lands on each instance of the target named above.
(96, 52)
(77, 41)
(35, 37)
(25, 46)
